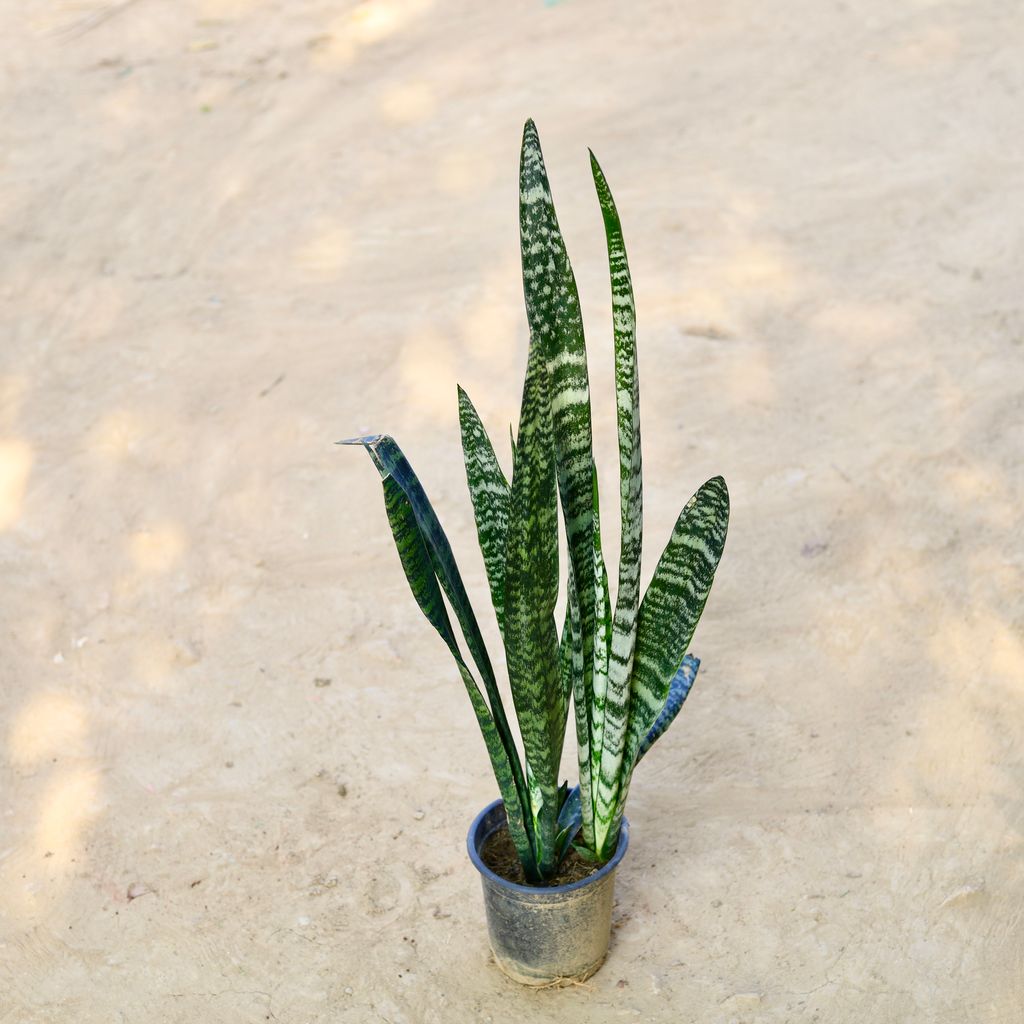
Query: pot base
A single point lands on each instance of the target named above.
(513, 971)
(545, 936)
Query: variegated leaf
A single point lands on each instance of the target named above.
(611, 717)
(667, 618)
(602, 655)
(556, 325)
(531, 590)
(489, 492)
(678, 691)
(422, 579)
(673, 604)
(391, 462)
(571, 657)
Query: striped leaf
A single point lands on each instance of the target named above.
(392, 463)
(667, 618)
(531, 590)
(556, 326)
(571, 657)
(602, 655)
(565, 673)
(611, 714)
(678, 691)
(673, 604)
(489, 492)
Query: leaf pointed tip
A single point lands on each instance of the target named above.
(531, 137)
(365, 441)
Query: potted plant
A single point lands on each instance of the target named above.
(547, 853)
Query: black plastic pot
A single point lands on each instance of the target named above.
(539, 935)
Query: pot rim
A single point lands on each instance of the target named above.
(538, 890)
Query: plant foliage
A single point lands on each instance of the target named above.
(623, 666)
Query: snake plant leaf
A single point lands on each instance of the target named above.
(570, 818)
(571, 657)
(556, 325)
(489, 492)
(531, 590)
(565, 670)
(678, 691)
(602, 656)
(391, 462)
(667, 618)
(615, 705)
(673, 604)
(423, 582)
(569, 821)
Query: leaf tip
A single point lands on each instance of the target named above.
(366, 441)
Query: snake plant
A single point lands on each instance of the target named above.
(624, 667)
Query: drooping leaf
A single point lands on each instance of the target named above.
(489, 492)
(531, 590)
(391, 462)
(419, 572)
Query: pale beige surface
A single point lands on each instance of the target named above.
(236, 231)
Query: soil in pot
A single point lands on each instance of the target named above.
(499, 854)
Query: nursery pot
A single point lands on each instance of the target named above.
(544, 935)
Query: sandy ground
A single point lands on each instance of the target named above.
(236, 768)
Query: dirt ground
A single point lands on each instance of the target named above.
(236, 767)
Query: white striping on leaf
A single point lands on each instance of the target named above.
(567, 397)
(535, 194)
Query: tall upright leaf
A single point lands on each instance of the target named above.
(571, 658)
(614, 714)
(531, 590)
(489, 492)
(556, 326)
(602, 658)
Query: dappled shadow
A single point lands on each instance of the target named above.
(265, 229)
